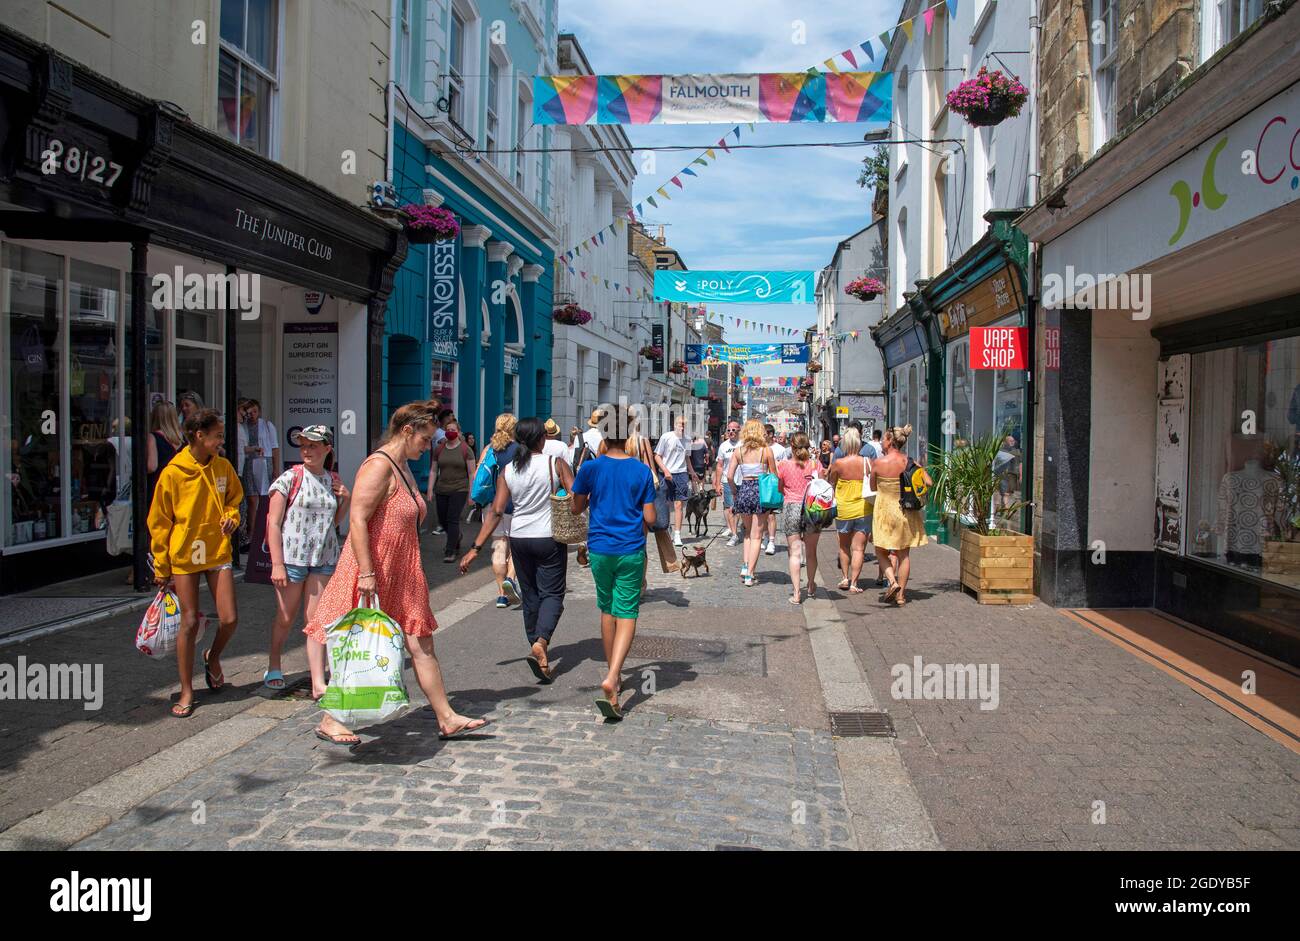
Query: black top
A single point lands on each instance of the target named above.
(165, 453)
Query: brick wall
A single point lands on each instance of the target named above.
(1157, 48)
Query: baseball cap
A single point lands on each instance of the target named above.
(313, 433)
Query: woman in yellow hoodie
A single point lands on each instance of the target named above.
(195, 509)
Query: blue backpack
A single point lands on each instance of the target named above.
(484, 489)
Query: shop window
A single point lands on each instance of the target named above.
(442, 384)
(492, 139)
(957, 427)
(1244, 463)
(33, 482)
(456, 70)
(247, 75)
(198, 357)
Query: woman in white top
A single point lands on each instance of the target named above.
(541, 563)
(307, 505)
(259, 442)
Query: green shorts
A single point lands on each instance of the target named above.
(618, 583)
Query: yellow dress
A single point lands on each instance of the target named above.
(892, 526)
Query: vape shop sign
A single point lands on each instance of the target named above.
(999, 347)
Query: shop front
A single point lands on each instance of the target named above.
(1173, 382)
(130, 236)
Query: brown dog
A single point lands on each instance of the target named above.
(694, 559)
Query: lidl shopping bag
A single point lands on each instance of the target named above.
(156, 635)
(366, 649)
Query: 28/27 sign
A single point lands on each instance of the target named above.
(999, 348)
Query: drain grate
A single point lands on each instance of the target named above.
(862, 725)
(688, 649)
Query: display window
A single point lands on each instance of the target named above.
(1243, 505)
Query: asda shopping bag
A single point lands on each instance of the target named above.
(156, 635)
(365, 651)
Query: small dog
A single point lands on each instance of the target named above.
(694, 559)
(697, 511)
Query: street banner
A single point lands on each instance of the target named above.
(310, 381)
(444, 296)
(713, 354)
(999, 347)
(736, 287)
(723, 98)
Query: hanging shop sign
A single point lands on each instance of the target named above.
(736, 287)
(712, 354)
(999, 347)
(313, 301)
(992, 299)
(444, 297)
(770, 97)
(657, 341)
(906, 346)
(311, 380)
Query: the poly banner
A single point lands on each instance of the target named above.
(772, 97)
(736, 287)
(444, 297)
(710, 354)
(310, 381)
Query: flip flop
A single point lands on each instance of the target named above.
(609, 710)
(207, 675)
(271, 677)
(843, 585)
(545, 675)
(889, 593)
(465, 730)
(338, 738)
(184, 713)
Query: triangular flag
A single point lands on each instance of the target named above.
(848, 54)
(701, 161)
(952, 9)
(651, 201)
(723, 144)
(830, 64)
(602, 236)
(928, 16)
(907, 28)
(662, 192)
(678, 181)
(866, 47)
(884, 39)
(690, 171)
(607, 284)
(736, 131)
(638, 208)
(712, 155)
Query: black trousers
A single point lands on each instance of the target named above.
(451, 506)
(542, 566)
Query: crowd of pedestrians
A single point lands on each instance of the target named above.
(537, 496)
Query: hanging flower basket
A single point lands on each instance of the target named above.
(425, 224)
(572, 315)
(678, 368)
(865, 289)
(989, 98)
(814, 367)
(652, 352)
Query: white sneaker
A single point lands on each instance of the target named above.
(733, 541)
(771, 547)
(677, 538)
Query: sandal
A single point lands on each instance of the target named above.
(843, 585)
(215, 684)
(182, 712)
(887, 595)
(271, 677)
(793, 600)
(465, 729)
(346, 739)
(855, 590)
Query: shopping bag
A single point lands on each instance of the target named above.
(118, 538)
(366, 648)
(769, 492)
(668, 560)
(156, 635)
(663, 507)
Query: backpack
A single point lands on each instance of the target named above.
(911, 486)
(298, 471)
(484, 489)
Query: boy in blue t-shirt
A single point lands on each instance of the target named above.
(621, 494)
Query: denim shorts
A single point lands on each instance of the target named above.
(860, 525)
(728, 497)
(299, 573)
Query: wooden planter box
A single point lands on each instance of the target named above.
(998, 569)
(1281, 558)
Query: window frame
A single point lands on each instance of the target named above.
(1104, 72)
(273, 79)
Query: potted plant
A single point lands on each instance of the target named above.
(426, 224)
(865, 289)
(1282, 548)
(814, 366)
(652, 352)
(572, 315)
(989, 98)
(678, 367)
(997, 563)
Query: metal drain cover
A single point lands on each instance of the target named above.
(702, 655)
(689, 649)
(862, 725)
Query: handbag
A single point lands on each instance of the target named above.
(769, 492)
(366, 650)
(567, 527)
(32, 350)
(663, 506)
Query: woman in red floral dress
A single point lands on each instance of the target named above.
(382, 557)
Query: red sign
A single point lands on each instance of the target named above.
(999, 347)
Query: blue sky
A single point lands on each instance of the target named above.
(753, 209)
